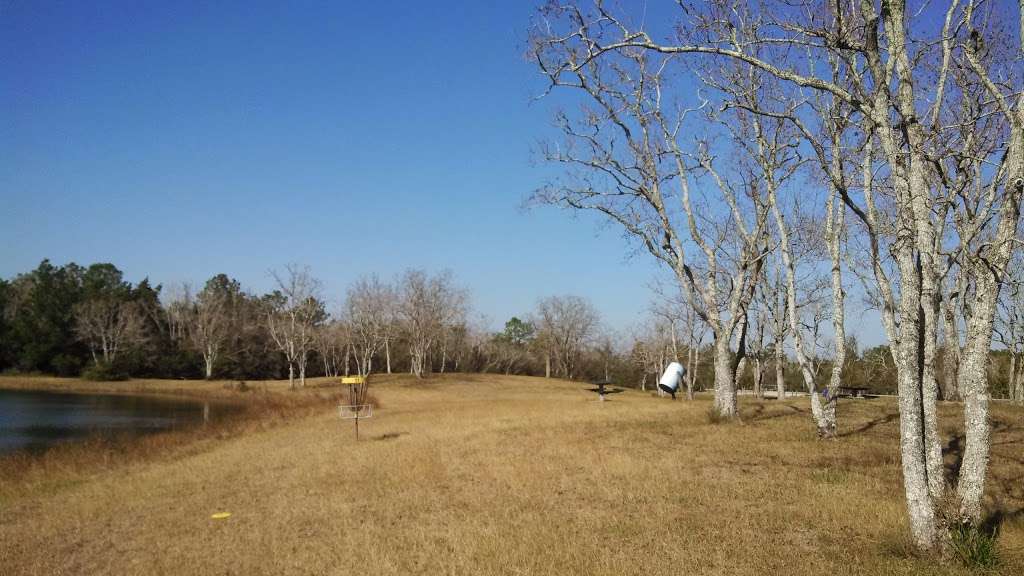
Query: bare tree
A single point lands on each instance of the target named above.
(567, 323)
(627, 158)
(366, 316)
(295, 312)
(428, 307)
(332, 344)
(772, 304)
(644, 353)
(178, 310)
(108, 326)
(389, 321)
(210, 318)
(931, 103)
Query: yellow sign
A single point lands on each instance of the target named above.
(353, 380)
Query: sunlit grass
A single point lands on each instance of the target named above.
(505, 475)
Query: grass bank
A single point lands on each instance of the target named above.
(256, 406)
(509, 475)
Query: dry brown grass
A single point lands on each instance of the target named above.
(500, 475)
(258, 406)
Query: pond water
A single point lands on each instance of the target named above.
(36, 420)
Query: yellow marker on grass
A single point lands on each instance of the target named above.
(220, 515)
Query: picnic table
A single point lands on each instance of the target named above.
(602, 388)
(853, 391)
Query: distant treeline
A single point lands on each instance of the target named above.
(76, 320)
(64, 320)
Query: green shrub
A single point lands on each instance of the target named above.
(104, 372)
(973, 546)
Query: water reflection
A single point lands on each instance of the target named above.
(35, 420)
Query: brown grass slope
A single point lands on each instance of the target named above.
(507, 475)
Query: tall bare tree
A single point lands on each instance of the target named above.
(927, 105)
(628, 157)
(332, 345)
(567, 323)
(365, 313)
(428, 307)
(294, 314)
(108, 326)
(210, 318)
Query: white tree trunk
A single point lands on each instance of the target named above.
(725, 382)
(780, 370)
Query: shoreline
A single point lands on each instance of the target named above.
(28, 474)
(204, 388)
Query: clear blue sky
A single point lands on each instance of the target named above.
(179, 140)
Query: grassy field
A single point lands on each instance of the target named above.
(498, 475)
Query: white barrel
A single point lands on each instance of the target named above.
(672, 377)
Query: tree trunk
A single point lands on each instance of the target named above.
(1011, 377)
(780, 370)
(951, 349)
(348, 352)
(829, 423)
(758, 377)
(974, 384)
(691, 367)
(661, 366)
(725, 379)
(691, 383)
(387, 352)
(1019, 382)
(675, 345)
(914, 438)
(291, 375)
(817, 410)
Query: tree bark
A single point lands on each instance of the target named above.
(780, 370)
(758, 377)
(725, 388)
(974, 383)
(387, 353)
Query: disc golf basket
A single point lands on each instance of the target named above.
(357, 408)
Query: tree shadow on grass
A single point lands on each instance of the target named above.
(758, 413)
(884, 419)
(953, 451)
(953, 458)
(1010, 488)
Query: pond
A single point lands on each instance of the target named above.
(36, 420)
